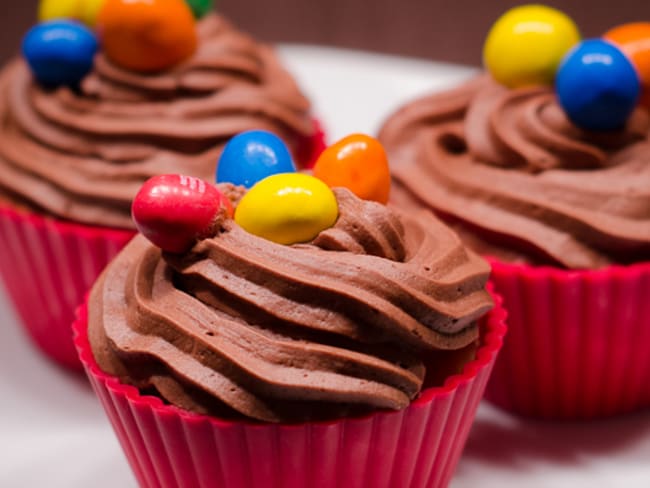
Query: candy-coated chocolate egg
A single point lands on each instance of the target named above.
(252, 156)
(287, 208)
(200, 8)
(597, 86)
(60, 52)
(526, 44)
(147, 35)
(634, 40)
(85, 11)
(57, 9)
(359, 163)
(173, 211)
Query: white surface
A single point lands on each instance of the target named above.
(54, 434)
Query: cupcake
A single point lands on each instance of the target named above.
(286, 347)
(553, 184)
(82, 133)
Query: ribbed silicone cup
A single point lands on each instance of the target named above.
(578, 344)
(47, 267)
(416, 447)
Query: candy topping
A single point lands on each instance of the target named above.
(634, 40)
(597, 86)
(252, 156)
(173, 211)
(598, 82)
(287, 208)
(200, 8)
(85, 11)
(359, 163)
(527, 43)
(60, 52)
(147, 35)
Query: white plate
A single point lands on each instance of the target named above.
(53, 432)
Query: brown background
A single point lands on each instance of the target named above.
(437, 29)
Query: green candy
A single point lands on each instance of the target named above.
(200, 7)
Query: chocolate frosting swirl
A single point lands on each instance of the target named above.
(518, 180)
(82, 155)
(286, 333)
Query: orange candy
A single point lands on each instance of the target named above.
(147, 35)
(357, 162)
(634, 40)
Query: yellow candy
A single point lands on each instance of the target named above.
(90, 11)
(287, 208)
(526, 45)
(57, 9)
(85, 11)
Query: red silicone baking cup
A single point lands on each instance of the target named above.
(416, 447)
(47, 267)
(578, 344)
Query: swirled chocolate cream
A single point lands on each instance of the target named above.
(240, 326)
(83, 154)
(518, 180)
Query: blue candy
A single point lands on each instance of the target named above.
(252, 156)
(597, 85)
(60, 52)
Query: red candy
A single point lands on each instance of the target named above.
(173, 211)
